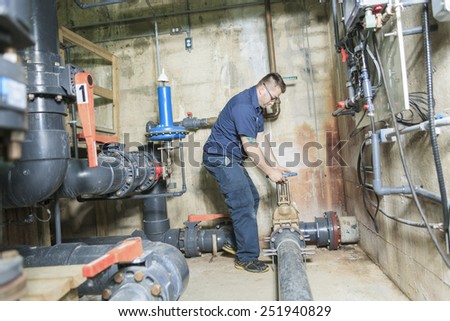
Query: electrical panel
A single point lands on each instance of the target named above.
(355, 10)
(441, 10)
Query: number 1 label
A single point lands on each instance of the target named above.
(82, 94)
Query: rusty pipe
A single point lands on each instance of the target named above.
(269, 31)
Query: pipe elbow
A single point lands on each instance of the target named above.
(30, 182)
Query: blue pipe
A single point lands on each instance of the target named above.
(165, 106)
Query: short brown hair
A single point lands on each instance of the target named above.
(273, 79)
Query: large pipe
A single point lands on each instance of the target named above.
(161, 266)
(80, 179)
(293, 282)
(156, 222)
(289, 244)
(46, 146)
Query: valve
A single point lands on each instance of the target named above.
(84, 84)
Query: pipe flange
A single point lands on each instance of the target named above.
(161, 133)
(334, 230)
(127, 187)
(189, 239)
(134, 283)
(147, 163)
(283, 232)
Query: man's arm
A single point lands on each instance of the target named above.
(256, 155)
(266, 147)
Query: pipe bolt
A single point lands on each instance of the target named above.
(31, 97)
(119, 277)
(129, 180)
(156, 289)
(118, 193)
(106, 294)
(26, 172)
(58, 98)
(139, 276)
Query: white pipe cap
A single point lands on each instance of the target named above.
(163, 77)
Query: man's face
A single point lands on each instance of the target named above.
(269, 96)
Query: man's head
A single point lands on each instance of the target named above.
(269, 89)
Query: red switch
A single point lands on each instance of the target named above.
(341, 104)
(344, 55)
(127, 251)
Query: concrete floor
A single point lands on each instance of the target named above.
(343, 275)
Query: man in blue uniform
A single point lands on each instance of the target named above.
(239, 134)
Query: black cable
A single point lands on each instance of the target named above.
(364, 186)
(406, 222)
(418, 110)
(433, 137)
(356, 131)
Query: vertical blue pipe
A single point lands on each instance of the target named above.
(165, 106)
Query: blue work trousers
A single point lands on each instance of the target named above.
(242, 200)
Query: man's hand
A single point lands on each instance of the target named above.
(283, 170)
(276, 176)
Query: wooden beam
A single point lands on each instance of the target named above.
(116, 97)
(84, 43)
(103, 92)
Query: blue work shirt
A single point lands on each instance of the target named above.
(242, 115)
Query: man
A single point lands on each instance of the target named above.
(237, 134)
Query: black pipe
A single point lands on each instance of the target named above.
(57, 214)
(288, 243)
(46, 146)
(155, 217)
(97, 4)
(337, 44)
(80, 179)
(293, 282)
(160, 264)
(156, 221)
(433, 137)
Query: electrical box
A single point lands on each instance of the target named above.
(188, 43)
(441, 10)
(354, 10)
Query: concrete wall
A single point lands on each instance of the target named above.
(229, 55)
(406, 254)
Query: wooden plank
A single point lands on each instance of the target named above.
(116, 96)
(103, 92)
(84, 43)
(46, 290)
(52, 282)
(74, 272)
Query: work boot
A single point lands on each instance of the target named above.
(228, 247)
(251, 266)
